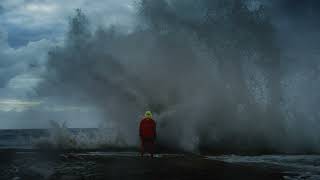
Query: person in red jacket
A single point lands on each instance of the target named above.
(148, 134)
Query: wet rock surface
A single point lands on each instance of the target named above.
(121, 166)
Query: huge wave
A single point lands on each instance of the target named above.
(210, 70)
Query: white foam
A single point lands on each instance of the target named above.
(305, 167)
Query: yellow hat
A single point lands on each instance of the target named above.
(148, 114)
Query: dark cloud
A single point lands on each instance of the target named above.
(298, 8)
(299, 14)
(298, 28)
(1, 10)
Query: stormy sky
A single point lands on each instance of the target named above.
(30, 28)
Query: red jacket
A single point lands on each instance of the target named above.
(147, 128)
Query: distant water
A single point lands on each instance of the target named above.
(24, 138)
(21, 139)
(298, 167)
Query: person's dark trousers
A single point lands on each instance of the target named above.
(147, 145)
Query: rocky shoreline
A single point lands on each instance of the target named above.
(124, 165)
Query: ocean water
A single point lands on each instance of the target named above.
(26, 138)
(20, 139)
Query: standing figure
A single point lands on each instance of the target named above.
(147, 132)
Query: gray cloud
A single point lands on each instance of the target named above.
(48, 19)
(1, 10)
(29, 29)
(20, 68)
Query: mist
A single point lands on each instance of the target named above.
(216, 74)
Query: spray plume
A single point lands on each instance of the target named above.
(209, 70)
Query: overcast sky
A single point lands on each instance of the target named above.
(29, 28)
